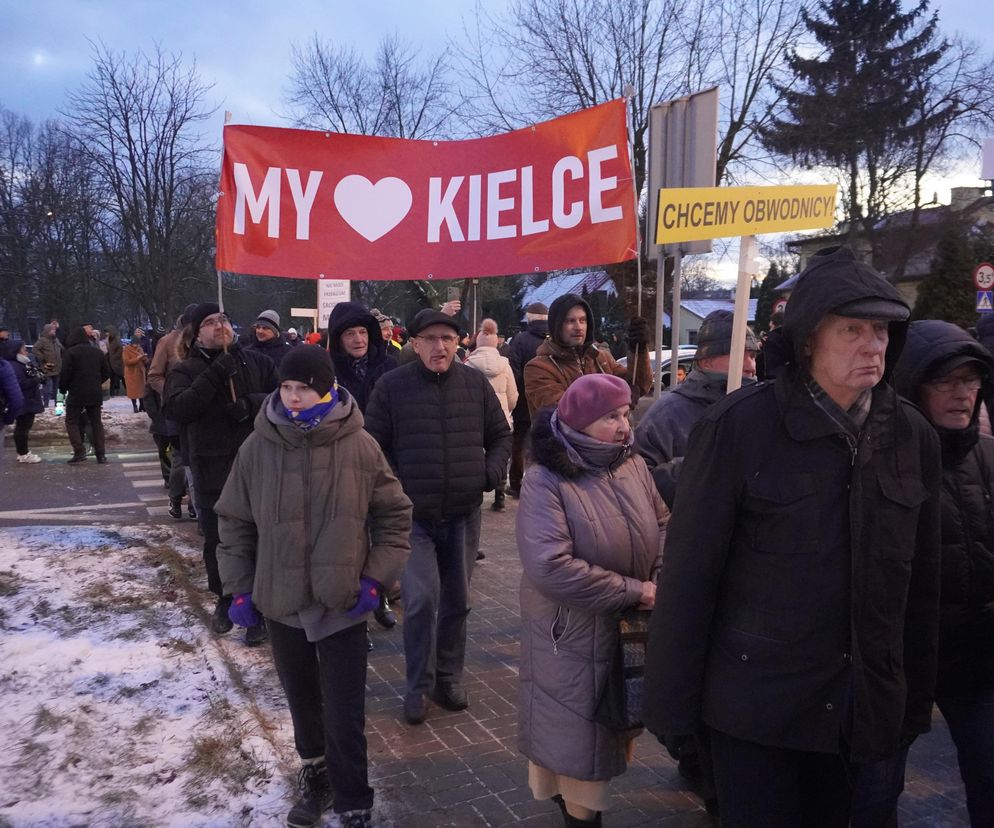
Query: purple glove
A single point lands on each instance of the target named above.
(369, 597)
(242, 611)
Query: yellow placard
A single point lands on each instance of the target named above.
(697, 213)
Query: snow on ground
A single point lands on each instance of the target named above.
(121, 424)
(119, 706)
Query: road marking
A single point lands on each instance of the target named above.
(58, 511)
(147, 484)
(144, 465)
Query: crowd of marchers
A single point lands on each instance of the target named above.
(812, 554)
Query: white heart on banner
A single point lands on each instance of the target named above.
(372, 210)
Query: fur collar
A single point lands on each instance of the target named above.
(548, 451)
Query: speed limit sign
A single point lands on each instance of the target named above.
(983, 276)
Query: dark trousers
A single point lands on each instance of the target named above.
(971, 724)
(435, 590)
(779, 788)
(325, 686)
(74, 414)
(22, 427)
(519, 438)
(207, 518)
(877, 787)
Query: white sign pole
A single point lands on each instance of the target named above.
(747, 269)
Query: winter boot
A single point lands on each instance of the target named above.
(134, 406)
(220, 623)
(316, 796)
(498, 504)
(78, 457)
(570, 821)
(256, 634)
(383, 614)
(175, 508)
(191, 510)
(356, 819)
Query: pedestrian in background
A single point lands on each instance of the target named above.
(590, 533)
(111, 343)
(497, 369)
(942, 369)
(313, 523)
(29, 380)
(84, 371)
(521, 351)
(135, 366)
(47, 351)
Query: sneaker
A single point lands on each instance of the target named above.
(30, 457)
(175, 508)
(256, 634)
(316, 797)
(191, 511)
(220, 623)
(356, 819)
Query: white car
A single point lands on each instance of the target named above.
(686, 358)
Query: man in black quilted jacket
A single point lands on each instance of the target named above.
(445, 434)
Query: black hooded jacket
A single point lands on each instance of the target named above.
(84, 370)
(347, 315)
(519, 353)
(800, 576)
(966, 631)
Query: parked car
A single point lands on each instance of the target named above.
(686, 359)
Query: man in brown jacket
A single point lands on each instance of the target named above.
(569, 353)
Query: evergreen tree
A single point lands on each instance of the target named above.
(856, 105)
(767, 296)
(948, 292)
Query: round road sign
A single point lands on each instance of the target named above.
(983, 276)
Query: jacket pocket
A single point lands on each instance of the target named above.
(896, 517)
(781, 514)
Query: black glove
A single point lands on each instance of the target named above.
(638, 331)
(239, 410)
(224, 366)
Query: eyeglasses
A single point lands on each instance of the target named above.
(949, 383)
(214, 321)
(445, 339)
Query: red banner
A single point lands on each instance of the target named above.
(308, 204)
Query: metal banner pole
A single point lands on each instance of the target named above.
(675, 316)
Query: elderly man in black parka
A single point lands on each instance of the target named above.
(798, 600)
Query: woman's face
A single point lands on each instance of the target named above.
(949, 400)
(613, 427)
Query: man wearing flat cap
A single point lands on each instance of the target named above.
(570, 352)
(797, 618)
(446, 436)
(663, 431)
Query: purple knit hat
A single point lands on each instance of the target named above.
(591, 397)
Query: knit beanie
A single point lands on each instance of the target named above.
(269, 318)
(200, 313)
(487, 337)
(591, 397)
(310, 365)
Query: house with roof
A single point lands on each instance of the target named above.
(970, 204)
(693, 311)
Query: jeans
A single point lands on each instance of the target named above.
(778, 787)
(50, 390)
(325, 686)
(435, 589)
(971, 725)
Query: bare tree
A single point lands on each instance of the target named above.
(135, 121)
(400, 93)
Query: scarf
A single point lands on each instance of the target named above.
(308, 418)
(588, 453)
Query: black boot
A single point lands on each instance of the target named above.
(571, 821)
(220, 622)
(134, 406)
(498, 504)
(78, 457)
(191, 510)
(316, 797)
(256, 634)
(383, 614)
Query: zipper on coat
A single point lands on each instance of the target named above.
(552, 630)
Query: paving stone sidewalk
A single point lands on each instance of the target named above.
(464, 769)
